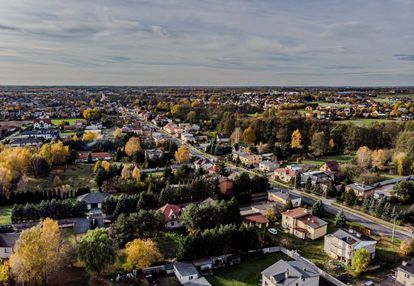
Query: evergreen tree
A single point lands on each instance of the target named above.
(308, 184)
(340, 219)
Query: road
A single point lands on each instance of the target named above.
(378, 228)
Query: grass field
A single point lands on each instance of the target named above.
(5, 215)
(320, 160)
(70, 121)
(367, 121)
(80, 175)
(168, 244)
(247, 273)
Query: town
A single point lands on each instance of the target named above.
(206, 186)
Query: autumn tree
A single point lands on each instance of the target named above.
(360, 261)
(407, 247)
(133, 145)
(402, 163)
(4, 273)
(296, 139)
(236, 136)
(89, 136)
(142, 253)
(249, 137)
(118, 133)
(379, 159)
(182, 155)
(363, 157)
(136, 174)
(38, 253)
(96, 250)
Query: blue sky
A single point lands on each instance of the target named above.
(189, 42)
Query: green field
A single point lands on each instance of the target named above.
(80, 175)
(320, 160)
(247, 273)
(5, 215)
(69, 121)
(367, 121)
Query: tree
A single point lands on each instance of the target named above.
(404, 191)
(270, 214)
(360, 261)
(136, 174)
(402, 163)
(249, 137)
(363, 157)
(191, 116)
(296, 141)
(89, 136)
(331, 144)
(38, 253)
(118, 133)
(317, 208)
(182, 155)
(221, 167)
(340, 219)
(133, 145)
(288, 205)
(39, 166)
(379, 159)
(319, 143)
(4, 273)
(142, 253)
(407, 247)
(96, 250)
(350, 197)
(308, 184)
(100, 177)
(235, 136)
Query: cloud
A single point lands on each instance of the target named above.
(404, 57)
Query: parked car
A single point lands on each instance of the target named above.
(272, 231)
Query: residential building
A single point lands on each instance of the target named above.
(42, 123)
(251, 217)
(247, 158)
(405, 273)
(289, 273)
(226, 185)
(301, 223)
(94, 156)
(268, 166)
(342, 244)
(7, 242)
(317, 177)
(93, 200)
(185, 272)
(51, 133)
(283, 196)
(286, 175)
(222, 138)
(362, 191)
(172, 216)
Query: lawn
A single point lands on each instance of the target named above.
(247, 273)
(367, 121)
(168, 244)
(5, 215)
(70, 121)
(320, 160)
(80, 175)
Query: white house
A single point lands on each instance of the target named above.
(172, 216)
(284, 273)
(405, 273)
(93, 200)
(268, 166)
(7, 242)
(185, 272)
(342, 244)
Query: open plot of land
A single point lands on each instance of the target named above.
(367, 121)
(5, 215)
(80, 175)
(247, 273)
(70, 121)
(320, 160)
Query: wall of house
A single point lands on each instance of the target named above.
(173, 224)
(404, 278)
(5, 252)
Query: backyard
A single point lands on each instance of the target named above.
(68, 121)
(346, 158)
(247, 273)
(5, 215)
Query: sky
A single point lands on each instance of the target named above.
(207, 42)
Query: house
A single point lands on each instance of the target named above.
(185, 272)
(172, 216)
(247, 158)
(222, 138)
(330, 166)
(94, 156)
(286, 175)
(301, 223)
(203, 164)
(268, 166)
(226, 185)
(342, 244)
(317, 177)
(251, 217)
(198, 282)
(405, 273)
(7, 242)
(42, 123)
(27, 141)
(284, 273)
(187, 138)
(93, 200)
(362, 191)
(283, 196)
(51, 133)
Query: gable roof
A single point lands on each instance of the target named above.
(185, 268)
(9, 239)
(171, 212)
(288, 272)
(332, 165)
(93, 198)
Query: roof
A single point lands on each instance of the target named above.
(283, 194)
(296, 213)
(9, 239)
(312, 221)
(94, 155)
(287, 171)
(93, 198)
(332, 165)
(171, 212)
(351, 236)
(360, 187)
(198, 282)
(185, 268)
(288, 272)
(407, 266)
(255, 218)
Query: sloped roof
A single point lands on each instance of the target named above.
(93, 198)
(171, 212)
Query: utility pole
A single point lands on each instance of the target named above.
(393, 230)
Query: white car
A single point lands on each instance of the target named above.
(272, 231)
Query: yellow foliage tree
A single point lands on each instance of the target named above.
(118, 133)
(296, 141)
(106, 166)
(4, 273)
(59, 153)
(249, 137)
(38, 253)
(133, 145)
(136, 174)
(89, 136)
(407, 247)
(379, 158)
(182, 155)
(331, 143)
(142, 253)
